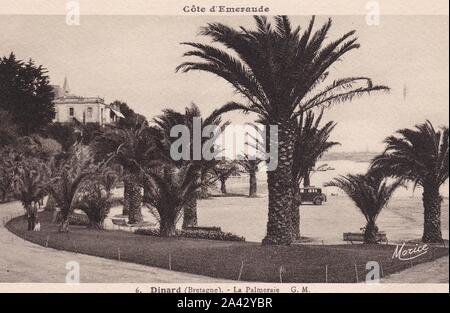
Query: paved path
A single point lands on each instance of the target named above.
(22, 261)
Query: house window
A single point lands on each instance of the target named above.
(89, 112)
(71, 112)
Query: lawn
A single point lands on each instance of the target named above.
(229, 260)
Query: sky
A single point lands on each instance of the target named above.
(133, 59)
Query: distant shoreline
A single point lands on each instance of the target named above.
(349, 156)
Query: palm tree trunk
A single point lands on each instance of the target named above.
(190, 213)
(295, 213)
(97, 225)
(370, 234)
(134, 202)
(306, 180)
(253, 185)
(126, 197)
(64, 223)
(204, 193)
(167, 226)
(31, 216)
(223, 186)
(432, 214)
(279, 182)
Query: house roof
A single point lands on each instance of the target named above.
(117, 113)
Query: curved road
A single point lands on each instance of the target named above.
(22, 261)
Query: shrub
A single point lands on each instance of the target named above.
(196, 234)
(77, 219)
(95, 203)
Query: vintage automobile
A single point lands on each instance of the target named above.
(312, 194)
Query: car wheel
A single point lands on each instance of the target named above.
(317, 201)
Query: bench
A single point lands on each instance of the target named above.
(119, 221)
(359, 237)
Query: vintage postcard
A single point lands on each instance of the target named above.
(224, 147)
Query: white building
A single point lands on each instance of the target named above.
(70, 107)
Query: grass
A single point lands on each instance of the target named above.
(298, 263)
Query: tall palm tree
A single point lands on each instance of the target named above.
(278, 69)
(419, 155)
(251, 165)
(370, 193)
(311, 142)
(29, 186)
(164, 125)
(132, 149)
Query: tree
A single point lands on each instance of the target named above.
(29, 186)
(419, 155)
(8, 129)
(6, 174)
(370, 193)
(131, 148)
(311, 142)
(64, 134)
(95, 201)
(26, 94)
(65, 181)
(223, 170)
(278, 70)
(131, 120)
(164, 125)
(131, 117)
(109, 177)
(170, 189)
(251, 165)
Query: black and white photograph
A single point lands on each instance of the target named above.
(224, 148)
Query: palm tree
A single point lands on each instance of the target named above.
(223, 170)
(109, 177)
(164, 125)
(65, 181)
(170, 189)
(251, 165)
(131, 148)
(95, 201)
(95, 198)
(29, 186)
(278, 70)
(419, 155)
(311, 143)
(371, 194)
